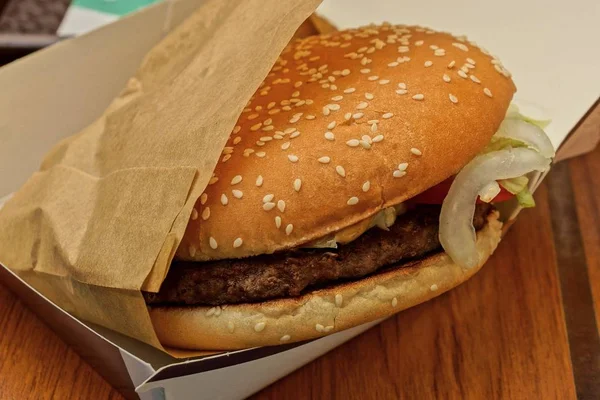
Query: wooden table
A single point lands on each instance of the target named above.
(523, 327)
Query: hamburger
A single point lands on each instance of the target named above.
(361, 179)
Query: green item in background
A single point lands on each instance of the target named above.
(115, 7)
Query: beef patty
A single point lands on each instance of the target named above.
(289, 273)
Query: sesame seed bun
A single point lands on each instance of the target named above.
(319, 145)
(320, 312)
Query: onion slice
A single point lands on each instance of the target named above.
(457, 234)
(533, 136)
(489, 191)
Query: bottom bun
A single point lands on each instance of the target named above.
(320, 312)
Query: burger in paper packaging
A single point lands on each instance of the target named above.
(359, 180)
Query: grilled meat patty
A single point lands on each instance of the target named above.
(289, 273)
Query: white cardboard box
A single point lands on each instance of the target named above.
(553, 66)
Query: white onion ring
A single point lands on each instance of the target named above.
(530, 134)
(457, 234)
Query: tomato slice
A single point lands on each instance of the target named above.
(437, 194)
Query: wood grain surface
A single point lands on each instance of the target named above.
(523, 327)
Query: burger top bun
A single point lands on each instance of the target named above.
(344, 125)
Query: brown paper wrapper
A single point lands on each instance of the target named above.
(103, 217)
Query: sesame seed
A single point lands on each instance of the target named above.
(487, 92)
(256, 127)
(362, 105)
(439, 52)
(401, 91)
(377, 139)
(260, 143)
(349, 90)
(402, 166)
(206, 213)
(224, 199)
(236, 179)
(268, 198)
(433, 287)
(464, 69)
(259, 181)
(340, 170)
(433, 47)
(387, 115)
(288, 229)
(268, 121)
(369, 96)
(237, 129)
(347, 116)
(367, 138)
(326, 111)
(285, 145)
(470, 61)
(266, 138)
(446, 78)
(337, 98)
(365, 71)
(261, 154)
(353, 142)
(345, 72)
(331, 125)
(475, 79)
(281, 205)
(357, 115)
(218, 310)
(398, 174)
(460, 46)
(238, 194)
(203, 198)
(394, 302)
(274, 111)
(296, 94)
(298, 84)
(324, 160)
(374, 128)
(384, 81)
(259, 327)
(293, 158)
(210, 311)
(268, 206)
(416, 151)
(453, 98)
(452, 63)
(319, 328)
(393, 64)
(365, 144)
(328, 328)
(213, 243)
(285, 338)
(194, 214)
(418, 96)
(297, 184)
(462, 74)
(329, 136)
(428, 64)
(419, 43)
(252, 116)
(237, 243)
(294, 135)
(352, 201)
(287, 131)
(403, 49)
(339, 299)
(402, 85)
(278, 222)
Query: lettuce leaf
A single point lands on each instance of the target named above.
(514, 185)
(525, 198)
